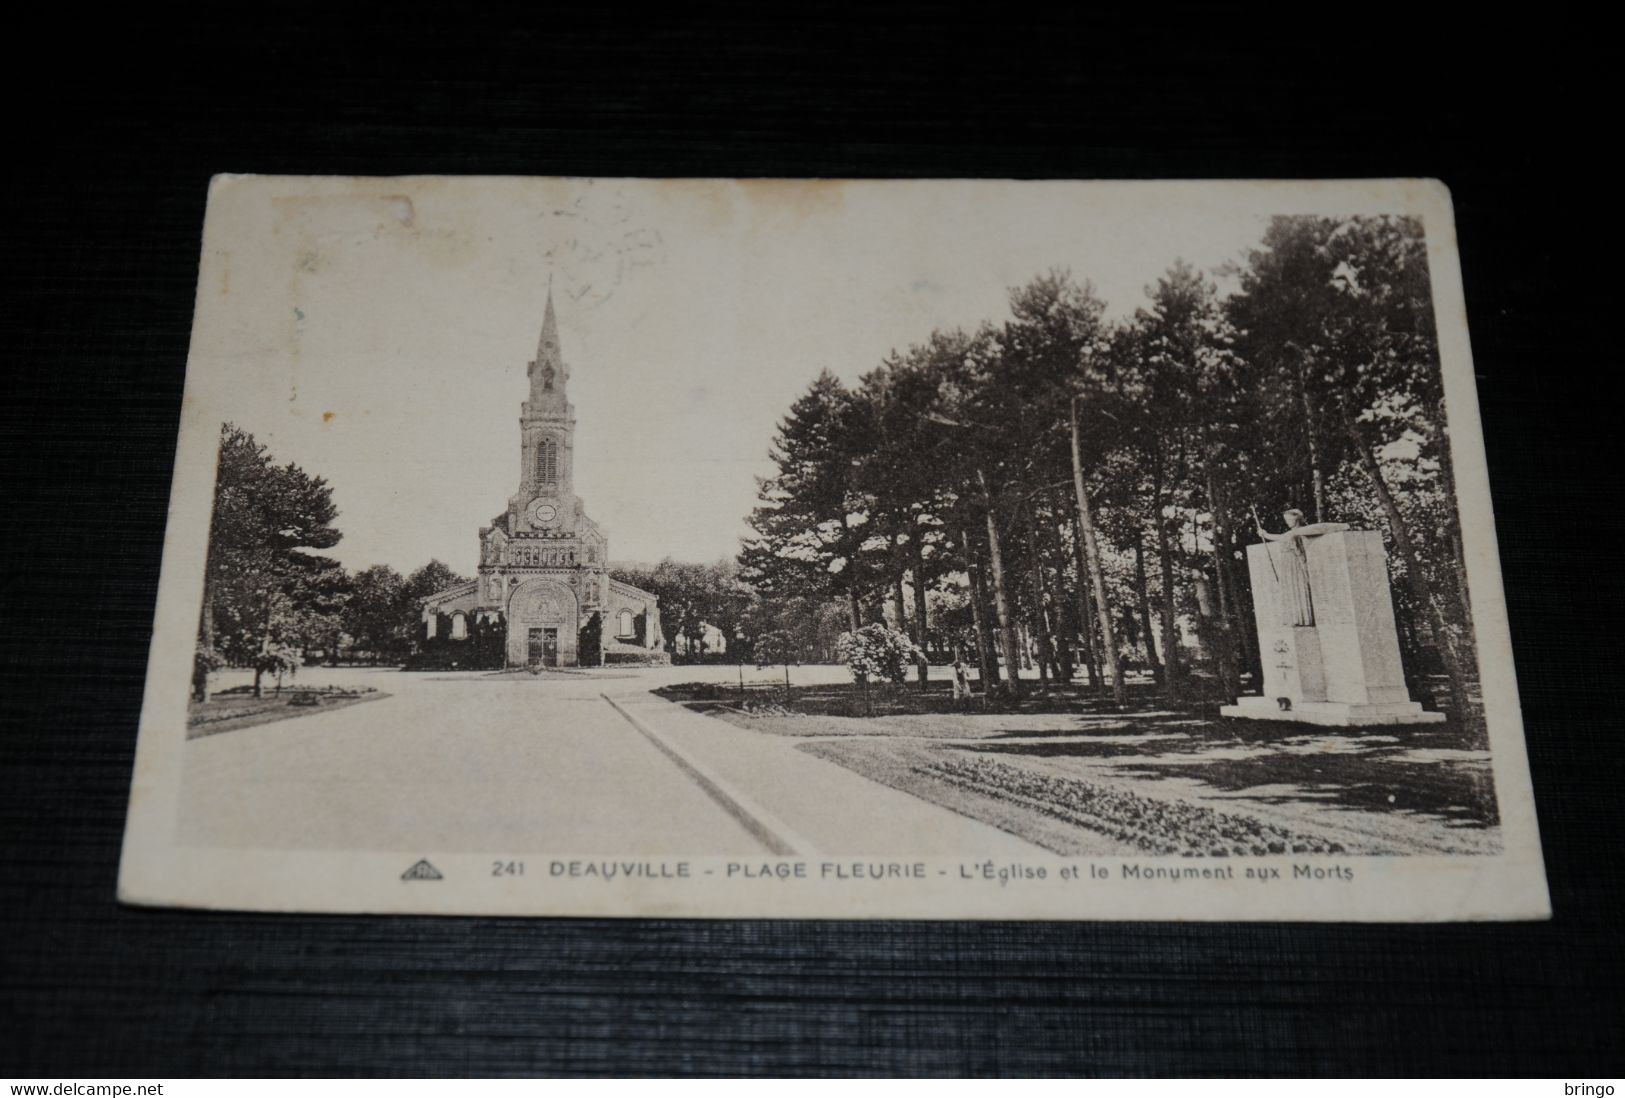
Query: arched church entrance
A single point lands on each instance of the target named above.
(543, 621)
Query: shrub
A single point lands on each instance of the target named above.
(590, 641)
(637, 659)
(877, 652)
(460, 656)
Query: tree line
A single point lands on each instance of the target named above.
(1077, 492)
(273, 600)
(1053, 488)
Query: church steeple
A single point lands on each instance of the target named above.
(547, 437)
(547, 371)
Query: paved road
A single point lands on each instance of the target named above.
(465, 762)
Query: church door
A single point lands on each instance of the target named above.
(544, 647)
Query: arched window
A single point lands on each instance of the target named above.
(625, 624)
(547, 462)
(459, 627)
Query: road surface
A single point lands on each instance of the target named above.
(568, 763)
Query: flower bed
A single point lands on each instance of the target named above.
(232, 714)
(324, 691)
(698, 691)
(1157, 826)
(764, 707)
(238, 703)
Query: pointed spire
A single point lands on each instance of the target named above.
(547, 372)
(548, 349)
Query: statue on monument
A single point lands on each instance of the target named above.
(1297, 600)
(1335, 663)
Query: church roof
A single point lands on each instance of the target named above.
(621, 585)
(467, 587)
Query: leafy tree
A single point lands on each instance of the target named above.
(264, 588)
(693, 596)
(777, 646)
(725, 602)
(430, 579)
(279, 660)
(373, 615)
(792, 629)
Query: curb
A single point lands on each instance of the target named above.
(766, 828)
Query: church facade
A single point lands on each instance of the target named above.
(544, 564)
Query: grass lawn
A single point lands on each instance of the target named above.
(232, 712)
(1071, 772)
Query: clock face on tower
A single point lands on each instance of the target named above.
(543, 513)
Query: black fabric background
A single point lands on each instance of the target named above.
(114, 131)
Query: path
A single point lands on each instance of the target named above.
(579, 764)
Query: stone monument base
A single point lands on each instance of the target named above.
(1336, 714)
(1326, 635)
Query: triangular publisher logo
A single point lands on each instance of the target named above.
(423, 871)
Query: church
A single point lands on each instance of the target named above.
(544, 565)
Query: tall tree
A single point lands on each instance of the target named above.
(1178, 361)
(975, 397)
(1057, 335)
(807, 533)
(902, 484)
(1343, 306)
(264, 587)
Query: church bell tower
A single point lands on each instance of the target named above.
(546, 500)
(544, 564)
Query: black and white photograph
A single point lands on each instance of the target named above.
(754, 542)
(834, 549)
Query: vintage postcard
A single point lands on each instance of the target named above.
(837, 549)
